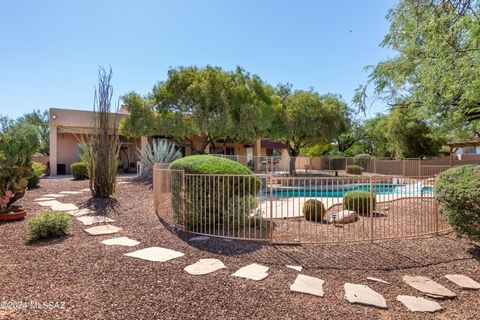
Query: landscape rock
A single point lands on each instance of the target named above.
(121, 241)
(463, 282)
(378, 280)
(204, 266)
(64, 206)
(156, 254)
(101, 230)
(344, 216)
(362, 294)
(306, 284)
(89, 220)
(294, 267)
(428, 286)
(252, 271)
(418, 304)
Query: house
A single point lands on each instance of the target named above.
(68, 128)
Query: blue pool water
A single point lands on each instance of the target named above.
(339, 191)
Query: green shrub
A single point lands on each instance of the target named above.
(38, 170)
(359, 201)
(362, 156)
(220, 193)
(79, 170)
(458, 193)
(313, 210)
(354, 169)
(49, 224)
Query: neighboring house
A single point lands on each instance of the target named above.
(69, 127)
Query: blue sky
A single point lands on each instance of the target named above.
(50, 51)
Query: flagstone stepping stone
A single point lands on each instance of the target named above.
(377, 280)
(463, 282)
(298, 268)
(89, 220)
(64, 206)
(44, 199)
(70, 192)
(54, 195)
(85, 190)
(418, 304)
(252, 271)
(121, 241)
(156, 254)
(204, 266)
(101, 230)
(198, 239)
(80, 212)
(123, 182)
(48, 203)
(306, 284)
(428, 286)
(362, 294)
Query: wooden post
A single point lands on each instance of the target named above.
(371, 210)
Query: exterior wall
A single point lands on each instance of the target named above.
(67, 149)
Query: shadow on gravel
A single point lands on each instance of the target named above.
(46, 242)
(475, 252)
(103, 206)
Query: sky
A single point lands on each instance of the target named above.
(50, 51)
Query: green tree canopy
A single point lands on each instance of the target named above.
(41, 121)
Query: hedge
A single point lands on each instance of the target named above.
(38, 170)
(359, 201)
(458, 194)
(354, 169)
(49, 224)
(79, 170)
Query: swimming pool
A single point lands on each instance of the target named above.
(339, 191)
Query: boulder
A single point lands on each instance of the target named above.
(344, 216)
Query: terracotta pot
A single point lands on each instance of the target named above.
(14, 213)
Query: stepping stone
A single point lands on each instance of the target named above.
(204, 266)
(252, 271)
(156, 254)
(121, 241)
(100, 230)
(89, 220)
(64, 206)
(428, 286)
(297, 268)
(418, 304)
(362, 294)
(306, 284)
(463, 282)
(123, 182)
(80, 212)
(85, 190)
(54, 195)
(377, 280)
(198, 239)
(44, 199)
(48, 203)
(70, 192)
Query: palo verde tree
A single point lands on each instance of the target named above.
(306, 118)
(41, 121)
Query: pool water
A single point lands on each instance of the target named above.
(340, 191)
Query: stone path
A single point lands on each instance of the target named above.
(121, 241)
(297, 268)
(378, 280)
(63, 206)
(463, 282)
(252, 271)
(89, 220)
(204, 266)
(101, 230)
(54, 195)
(70, 192)
(428, 286)
(156, 254)
(80, 212)
(418, 304)
(48, 203)
(362, 294)
(306, 284)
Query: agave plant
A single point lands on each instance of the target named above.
(161, 151)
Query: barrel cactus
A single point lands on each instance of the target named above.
(313, 210)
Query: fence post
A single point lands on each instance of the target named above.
(271, 207)
(435, 206)
(371, 210)
(403, 167)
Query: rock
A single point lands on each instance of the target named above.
(198, 239)
(80, 212)
(463, 282)
(204, 266)
(428, 286)
(362, 294)
(47, 203)
(306, 284)
(344, 216)
(85, 190)
(121, 241)
(377, 280)
(64, 206)
(89, 220)
(101, 230)
(54, 195)
(418, 304)
(252, 271)
(44, 199)
(156, 254)
(70, 192)
(297, 268)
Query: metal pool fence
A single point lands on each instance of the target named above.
(271, 208)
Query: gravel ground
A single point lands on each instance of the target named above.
(99, 282)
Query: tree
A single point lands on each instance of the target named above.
(305, 118)
(41, 120)
(438, 61)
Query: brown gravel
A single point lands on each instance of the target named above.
(98, 282)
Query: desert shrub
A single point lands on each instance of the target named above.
(362, 156)
(359, 201)
(161, 151)
(219, 192)
(38, 170)
(313, 210)
(458, 193)
(354, 169)
(79, 170)
(49, 224)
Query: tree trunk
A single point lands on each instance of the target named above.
(293, 153)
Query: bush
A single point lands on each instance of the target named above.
(313, 210)
(215, 200)
(354, 169)
(79, 170)
(458, 193)
(359, 201)
(362, 156)
(38, 170)
(49, 224)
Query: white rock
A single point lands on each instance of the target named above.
(362, 294)
(156, 254)
(100, 230)
(64, 206)
(70, 192)
(85, 190)
(54, 195)
(204, 266)
(428, 286)
(463, 282)
(80, 212)
(198, 239)
(306, 284)
(298, 268)
(48, 203)
(418, 304)
(123, 182)
(89, 220)
(344, 216)
(121, 241)
(252, 271)
(377, 280)
(44, 199)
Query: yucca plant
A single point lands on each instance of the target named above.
(160, 151)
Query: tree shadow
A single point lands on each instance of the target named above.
(102, 206)
(475, 252)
